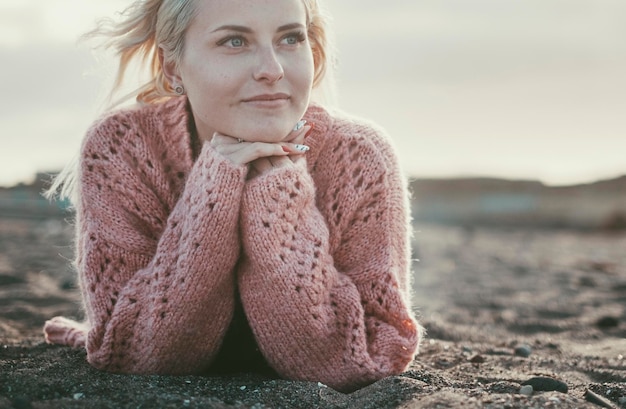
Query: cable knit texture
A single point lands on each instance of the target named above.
(170, 238)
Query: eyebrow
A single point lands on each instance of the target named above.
(244, 29)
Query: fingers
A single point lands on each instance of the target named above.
(261, 165)
(280, 161)
(297, 149)
(242, 152)
(300, 132)
(296, 144)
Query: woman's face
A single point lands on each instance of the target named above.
(247, 68)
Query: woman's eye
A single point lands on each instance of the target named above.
(293, 39)
(234, 42)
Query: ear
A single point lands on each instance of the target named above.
(170, 70)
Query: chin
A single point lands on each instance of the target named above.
(270, 132)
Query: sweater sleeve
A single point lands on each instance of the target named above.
(157, 282)
(341, 317)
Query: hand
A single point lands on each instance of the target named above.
(295, 148)
(262, 156)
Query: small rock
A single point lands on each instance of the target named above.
(79, 396)
(526, 390)
(243, 388)
(587, 282)
(603, 267)
(545, 384)
(68, 284)
(596, 399)
(478, 359)
(608, 322)
(523, 350)
(499, 351)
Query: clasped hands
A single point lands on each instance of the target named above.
(263, 156)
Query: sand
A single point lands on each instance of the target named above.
(502, 307)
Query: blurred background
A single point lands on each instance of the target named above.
(517, 90)
(509, 116)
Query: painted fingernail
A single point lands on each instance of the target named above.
(299, 125)
(302, 148)
(312, 125)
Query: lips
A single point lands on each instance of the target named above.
(267, 98)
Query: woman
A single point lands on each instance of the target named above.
(228, 223)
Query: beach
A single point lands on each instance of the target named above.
(508, 312)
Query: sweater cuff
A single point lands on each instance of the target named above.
(280, 194)
(218, 167)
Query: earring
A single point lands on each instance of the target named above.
(179, 90)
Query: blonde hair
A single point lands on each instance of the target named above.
(148, 25)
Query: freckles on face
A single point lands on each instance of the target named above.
(248, 68)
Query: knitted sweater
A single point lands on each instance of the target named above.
(170, 237)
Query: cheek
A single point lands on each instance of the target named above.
(212, 92)
(206, 77)
(305, 62)
(306, 72)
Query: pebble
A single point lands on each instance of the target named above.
(598, 400)
(500, 351)
(79, 396)
(526, 390)
(523, 350)
(478, 359)
(608, 322)
(587, 282)
(546, 384)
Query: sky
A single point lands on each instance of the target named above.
(520, 89)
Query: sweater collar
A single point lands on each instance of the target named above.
(322, 121)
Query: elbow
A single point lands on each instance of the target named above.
(119, 357)
(114, 361)
(141, 361)
(356, 374)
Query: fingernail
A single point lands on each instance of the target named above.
(299, 125)
(312, 125)
(285, 149)
(302, 148)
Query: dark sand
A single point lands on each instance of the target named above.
(480, 293)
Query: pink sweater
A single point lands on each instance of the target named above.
(170, 236)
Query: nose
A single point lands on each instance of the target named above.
(268, 67)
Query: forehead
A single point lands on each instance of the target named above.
(211, 14)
